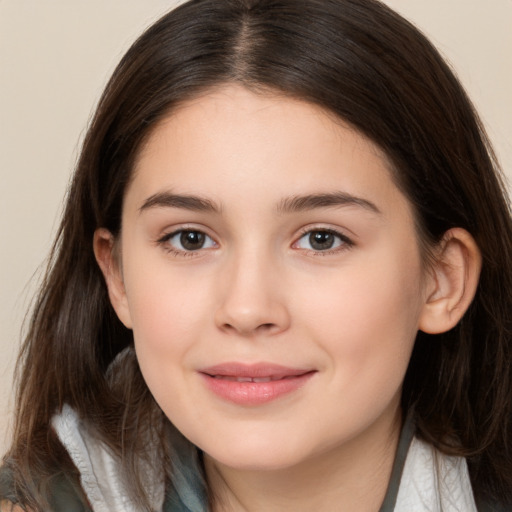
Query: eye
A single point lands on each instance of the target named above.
(187, 240)
(322, 240)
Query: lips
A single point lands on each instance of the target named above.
(250, 379)
(254, 384)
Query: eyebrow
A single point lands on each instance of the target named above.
(288, 205)
(185, 202)
(324, 200)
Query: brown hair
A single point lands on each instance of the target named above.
(367, 65)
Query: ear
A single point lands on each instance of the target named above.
(452, 282)
(109, 262)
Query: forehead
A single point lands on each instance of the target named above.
(231, 141)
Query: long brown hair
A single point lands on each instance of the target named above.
(371, 68)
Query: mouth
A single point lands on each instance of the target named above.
(254, 384)
(251, 379)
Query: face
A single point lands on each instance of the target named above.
(271, 273)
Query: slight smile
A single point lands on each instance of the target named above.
(254, 384)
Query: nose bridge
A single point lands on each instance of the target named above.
(252, 300)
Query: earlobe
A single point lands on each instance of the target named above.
(452, 282)
(108, 261)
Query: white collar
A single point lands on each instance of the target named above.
(434, 482)
(430, 481)
(100, 473)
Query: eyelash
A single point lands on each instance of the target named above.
(165, 239)
(344, 242)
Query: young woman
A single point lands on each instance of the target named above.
(282, 280)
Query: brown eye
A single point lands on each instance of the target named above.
(187, 240)
(321, 240)
(192, 240)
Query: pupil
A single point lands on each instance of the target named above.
(192, 240)
(321, 240)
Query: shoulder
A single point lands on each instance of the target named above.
(63, 495)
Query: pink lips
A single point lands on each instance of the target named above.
(253, 384)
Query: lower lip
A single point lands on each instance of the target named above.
(254, 393)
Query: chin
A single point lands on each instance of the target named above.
(259, 456)
(257, 463)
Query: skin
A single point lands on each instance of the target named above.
(258, 291)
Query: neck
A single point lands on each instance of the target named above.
(353, 476)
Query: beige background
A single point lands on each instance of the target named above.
(55, 56)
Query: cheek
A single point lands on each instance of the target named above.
(167, 318)
(167, 311)
(366, 315)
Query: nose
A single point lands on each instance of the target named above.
(253, 301)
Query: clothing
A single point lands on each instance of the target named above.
(422, 478)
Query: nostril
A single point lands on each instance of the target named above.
(266, 327)
(249, 317)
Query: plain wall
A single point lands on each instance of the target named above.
(55, 57)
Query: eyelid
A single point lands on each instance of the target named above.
(163, 240)
(346, 241)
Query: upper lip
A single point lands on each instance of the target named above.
(251, 371)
